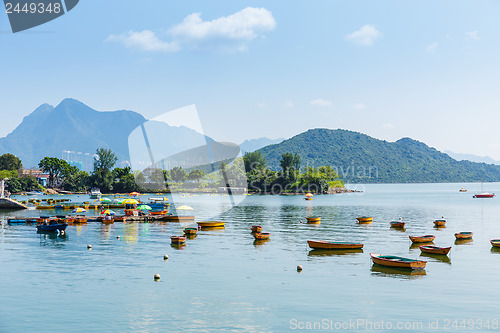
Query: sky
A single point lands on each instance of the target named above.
(428, 70)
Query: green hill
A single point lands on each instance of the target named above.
(359, 158)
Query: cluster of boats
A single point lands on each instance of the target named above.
(191, 233)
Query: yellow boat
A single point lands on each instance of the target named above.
(42, 207)
(364, 219)
(313, 219)
(190, 231)
(211, 224)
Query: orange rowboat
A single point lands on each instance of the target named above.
(313, 219)
(364, 219)
(333, 245)
(440, 223)
(177, 239)
(464, 235)
(211, 224)
(256, 228)
(397, 224)
(261, 235)
(422, 239)
(435, 249)
(190, 231)
(394, 261)
(495, 242)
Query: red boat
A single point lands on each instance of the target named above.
(484, 195)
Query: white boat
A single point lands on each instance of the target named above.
(95, 193)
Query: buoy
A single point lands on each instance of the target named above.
(117, 237)
(157, 277)
(89, 246)
(165, 257)
(299, 268)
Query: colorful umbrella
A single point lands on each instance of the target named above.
(79, 210)
(108, 212)
(134, 194)
(309, 195)
(130, 201)
(184, 208)
(144, 207)
(105, 199)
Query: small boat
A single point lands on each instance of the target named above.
(190, 231)
(435, 249)
(463, 189)
(394, 261)
(308, 199)
(51, 226)
(211, 224)
(398, 224)
(484, 195)
(464, 235)
(177, 239)
(160, 212)
(440, 223)
(364, 219)
(256, 228)
(95, 193)
(80, 219)
(261, 235)
(333, 245)
(495, 242)
(176, 218)
(313, 219)
(422, 239)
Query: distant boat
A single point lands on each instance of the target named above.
(95, 193)
(261, 235)
(495, 242)
(34, 193)
(177, 239)
(440, 222)
(398, 224)
(394, 261)
(313, 219)
(256, 228)
(333, 245)
(434, 249)
(211, 224)
(463, 189)
(364, 219)
(464, 235)
(51, 226)
(422, 239)
(484, 195)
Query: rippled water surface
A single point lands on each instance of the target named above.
(223, 280)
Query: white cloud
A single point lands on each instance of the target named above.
(288, 105)
(431, 48)
(227, 33)
(472, 35)
(320, 102)
(359, 106)
(145, 40)
(366, 35)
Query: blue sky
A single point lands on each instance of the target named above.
(428, 70)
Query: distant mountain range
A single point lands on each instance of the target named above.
(359, 158)
(472, 158)
(252, 145)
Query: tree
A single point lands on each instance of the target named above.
(196, 174)
(55, 167)
(124, 180)
(177, 174)
(10, 162)
(102, 177)
(254, 161)
(290, 166)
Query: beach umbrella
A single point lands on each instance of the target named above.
(105, 200)
(79, 210)
(144, 207)
(309, 195)
(134, 194)
(130, 201)
(108, 212)
(184, 208)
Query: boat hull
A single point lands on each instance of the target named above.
(333, 245)
(211, 224)
(262, 235)
(313, 219)
(190, 231)
(463, 235)
(256, 228)
(422, 239)
(484, 195)
(399, 262)
(364, 219)
(396, 224)
(176, 218)
(439, 223)
(52, 227)
(435, 249)
(495, 242)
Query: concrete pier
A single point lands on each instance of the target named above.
(7, 203)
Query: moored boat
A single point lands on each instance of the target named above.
(495, 242)
(333, 245)
(440, 223)
(364, 219)
(51, 226)
(464, 235)
(395, 261)
(95, 193)
(313, 219)
(261, 235)
(211, 224)
(256, 228)
(435, 249)
(177, 239)
(422, 239)
(484, 195)
(160, 212)
(398, 224)
(463, 189)
(176, 218)
(190, 231)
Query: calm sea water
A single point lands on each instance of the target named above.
(223, 281)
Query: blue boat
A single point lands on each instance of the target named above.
(52, 226)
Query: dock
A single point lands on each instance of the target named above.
(7, 203)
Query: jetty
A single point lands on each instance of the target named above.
(7, 203)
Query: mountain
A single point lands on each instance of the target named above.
(73, 126)
(472, 158)
(359, 158)
(249, 146)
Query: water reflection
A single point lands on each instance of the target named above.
(463, 241)
(52, 238)
(178, 246)
(334, 252)
(259, 242)
(437, 257)
(495, 249)
(401, 273)
(417, 245)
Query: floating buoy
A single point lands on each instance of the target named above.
(165, 257)
(157, 277)
(89, 246)
(117, 237)
(299, 268)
